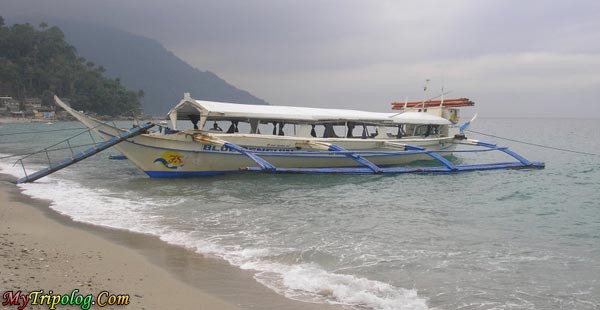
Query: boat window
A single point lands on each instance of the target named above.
(233, 128)
(358, 130)
(381, 132)
(243, 126)
(420, 130)
(194, 119)
(426, 130)
(216, 127)
(399, 131)
(254, 126)
(227, 126)
(329, 132)
(265, 128)
(184, 125)
(362, 131)
(278, 128)
(350, 130)
(271, 128)
(304, 130)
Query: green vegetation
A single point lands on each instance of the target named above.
(40, 63)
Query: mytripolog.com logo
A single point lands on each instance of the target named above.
(21, 299)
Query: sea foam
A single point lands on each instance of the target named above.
(303, 281)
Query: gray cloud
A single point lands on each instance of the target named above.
(505, 54)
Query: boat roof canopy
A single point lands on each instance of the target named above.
(192, 109)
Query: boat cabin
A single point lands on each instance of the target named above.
(232, 118)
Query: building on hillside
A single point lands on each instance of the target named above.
(27, 108)
(9, 105)
(19, 114)
(31, 105)
(33, 101)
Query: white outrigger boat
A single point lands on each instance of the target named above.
(284, 139)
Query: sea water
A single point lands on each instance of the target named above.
(501, 239)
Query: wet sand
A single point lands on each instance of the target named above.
(41, 249)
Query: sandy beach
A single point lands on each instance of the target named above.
(43, 250)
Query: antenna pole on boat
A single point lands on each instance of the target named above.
(424, 93)
(442, 99)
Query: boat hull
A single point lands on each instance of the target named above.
(163, 159)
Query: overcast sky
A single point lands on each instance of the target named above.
(512, 57)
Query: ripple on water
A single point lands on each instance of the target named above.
(484, 240)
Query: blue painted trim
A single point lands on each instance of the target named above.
(186, 174)
(465, 151)
(413, 148)
(117, 157)
(490, 145)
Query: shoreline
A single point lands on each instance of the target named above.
(42, 249)
(9, 120)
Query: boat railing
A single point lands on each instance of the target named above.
(77, 156)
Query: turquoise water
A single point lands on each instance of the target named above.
(478, 240)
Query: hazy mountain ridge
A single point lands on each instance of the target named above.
(143, 63)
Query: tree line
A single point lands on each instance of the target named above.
(38, 62)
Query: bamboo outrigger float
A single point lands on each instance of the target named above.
(319, 141)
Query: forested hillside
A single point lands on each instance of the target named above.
(38, 62)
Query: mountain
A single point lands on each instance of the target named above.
(143, 63)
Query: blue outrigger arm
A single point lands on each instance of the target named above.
(264, 165)
(371, 168)
(352, 155)
(85, 154)
(361, 160)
